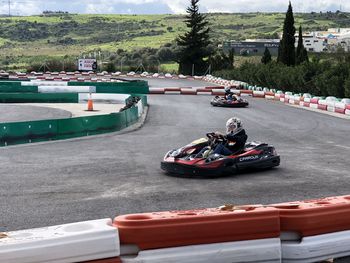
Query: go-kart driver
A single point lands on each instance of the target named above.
(229, 95)
(234, 140)
(231, 143)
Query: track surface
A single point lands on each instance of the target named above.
(17, 113)
(69, 181)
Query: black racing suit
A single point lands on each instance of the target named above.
(235, 142)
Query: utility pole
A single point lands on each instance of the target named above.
(9, 3)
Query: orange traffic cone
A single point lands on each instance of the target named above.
(90, 104)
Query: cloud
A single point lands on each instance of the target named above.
(28, 7)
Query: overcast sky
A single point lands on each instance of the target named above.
(29, 7)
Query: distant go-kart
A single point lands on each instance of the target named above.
(190, 161)
(223, 102)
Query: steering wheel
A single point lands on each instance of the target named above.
(215, 138)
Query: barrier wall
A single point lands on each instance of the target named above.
(133, 87)
(228, 234)
(34, 131)
(127, 87)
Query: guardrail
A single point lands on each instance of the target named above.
(303, 231)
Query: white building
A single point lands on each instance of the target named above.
(312, 42)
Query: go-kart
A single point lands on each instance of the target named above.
(238, 102)
(194, 161)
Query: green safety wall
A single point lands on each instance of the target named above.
(16, 86)
(132, 87)
(33, 131)
(39, 97)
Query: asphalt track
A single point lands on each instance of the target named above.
(81, 179)
(18, 113)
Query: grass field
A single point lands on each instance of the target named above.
(36, 38)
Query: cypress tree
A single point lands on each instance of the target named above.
(286, 52)
(266, 58)
(194, 43)
(231, 57)
(301, 55)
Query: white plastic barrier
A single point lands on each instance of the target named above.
(317, 248)
(330, 101)
(263, 250)
(305, 103)
(66, 89)
(347, 112)
(340, 105)
(139, 108)
(314, 105)
(269, 97)
(44, 83)
(74, 242)
(258, 94)
(104, 97)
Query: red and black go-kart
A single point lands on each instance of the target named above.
(191, 161)
(218, 101)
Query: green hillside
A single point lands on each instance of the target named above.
(35, 38)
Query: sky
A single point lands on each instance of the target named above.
(30, 7)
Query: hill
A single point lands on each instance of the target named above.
(37, 38)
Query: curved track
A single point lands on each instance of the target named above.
(18, 113)
(66, 181)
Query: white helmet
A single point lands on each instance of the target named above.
(232, 124)
(227, 89)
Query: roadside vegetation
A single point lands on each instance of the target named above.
(293, 70)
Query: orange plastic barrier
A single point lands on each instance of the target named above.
(156, 91)
(322, 107)
(108, 260)
(269, 93)
(314, 101)
(247, 91)
(186, 91)
(218, 93)
(204, 90)
(172, 89)
(315, 217)
(203, 226)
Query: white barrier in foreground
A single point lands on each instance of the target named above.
(104, 97)
(74, 242)
(263, 250)
(317, 248)
(66, 89)
(44, 83)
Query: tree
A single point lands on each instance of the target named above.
(193, 44)
(286, 51)
(301, 55)
(347, 87)
(231, 57)
(266, 57)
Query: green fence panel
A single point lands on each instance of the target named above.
(39, 97)
(16, 86)
(24, 89)
(10, 133)
(83, 126)
(11, 83)
(131, 115)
